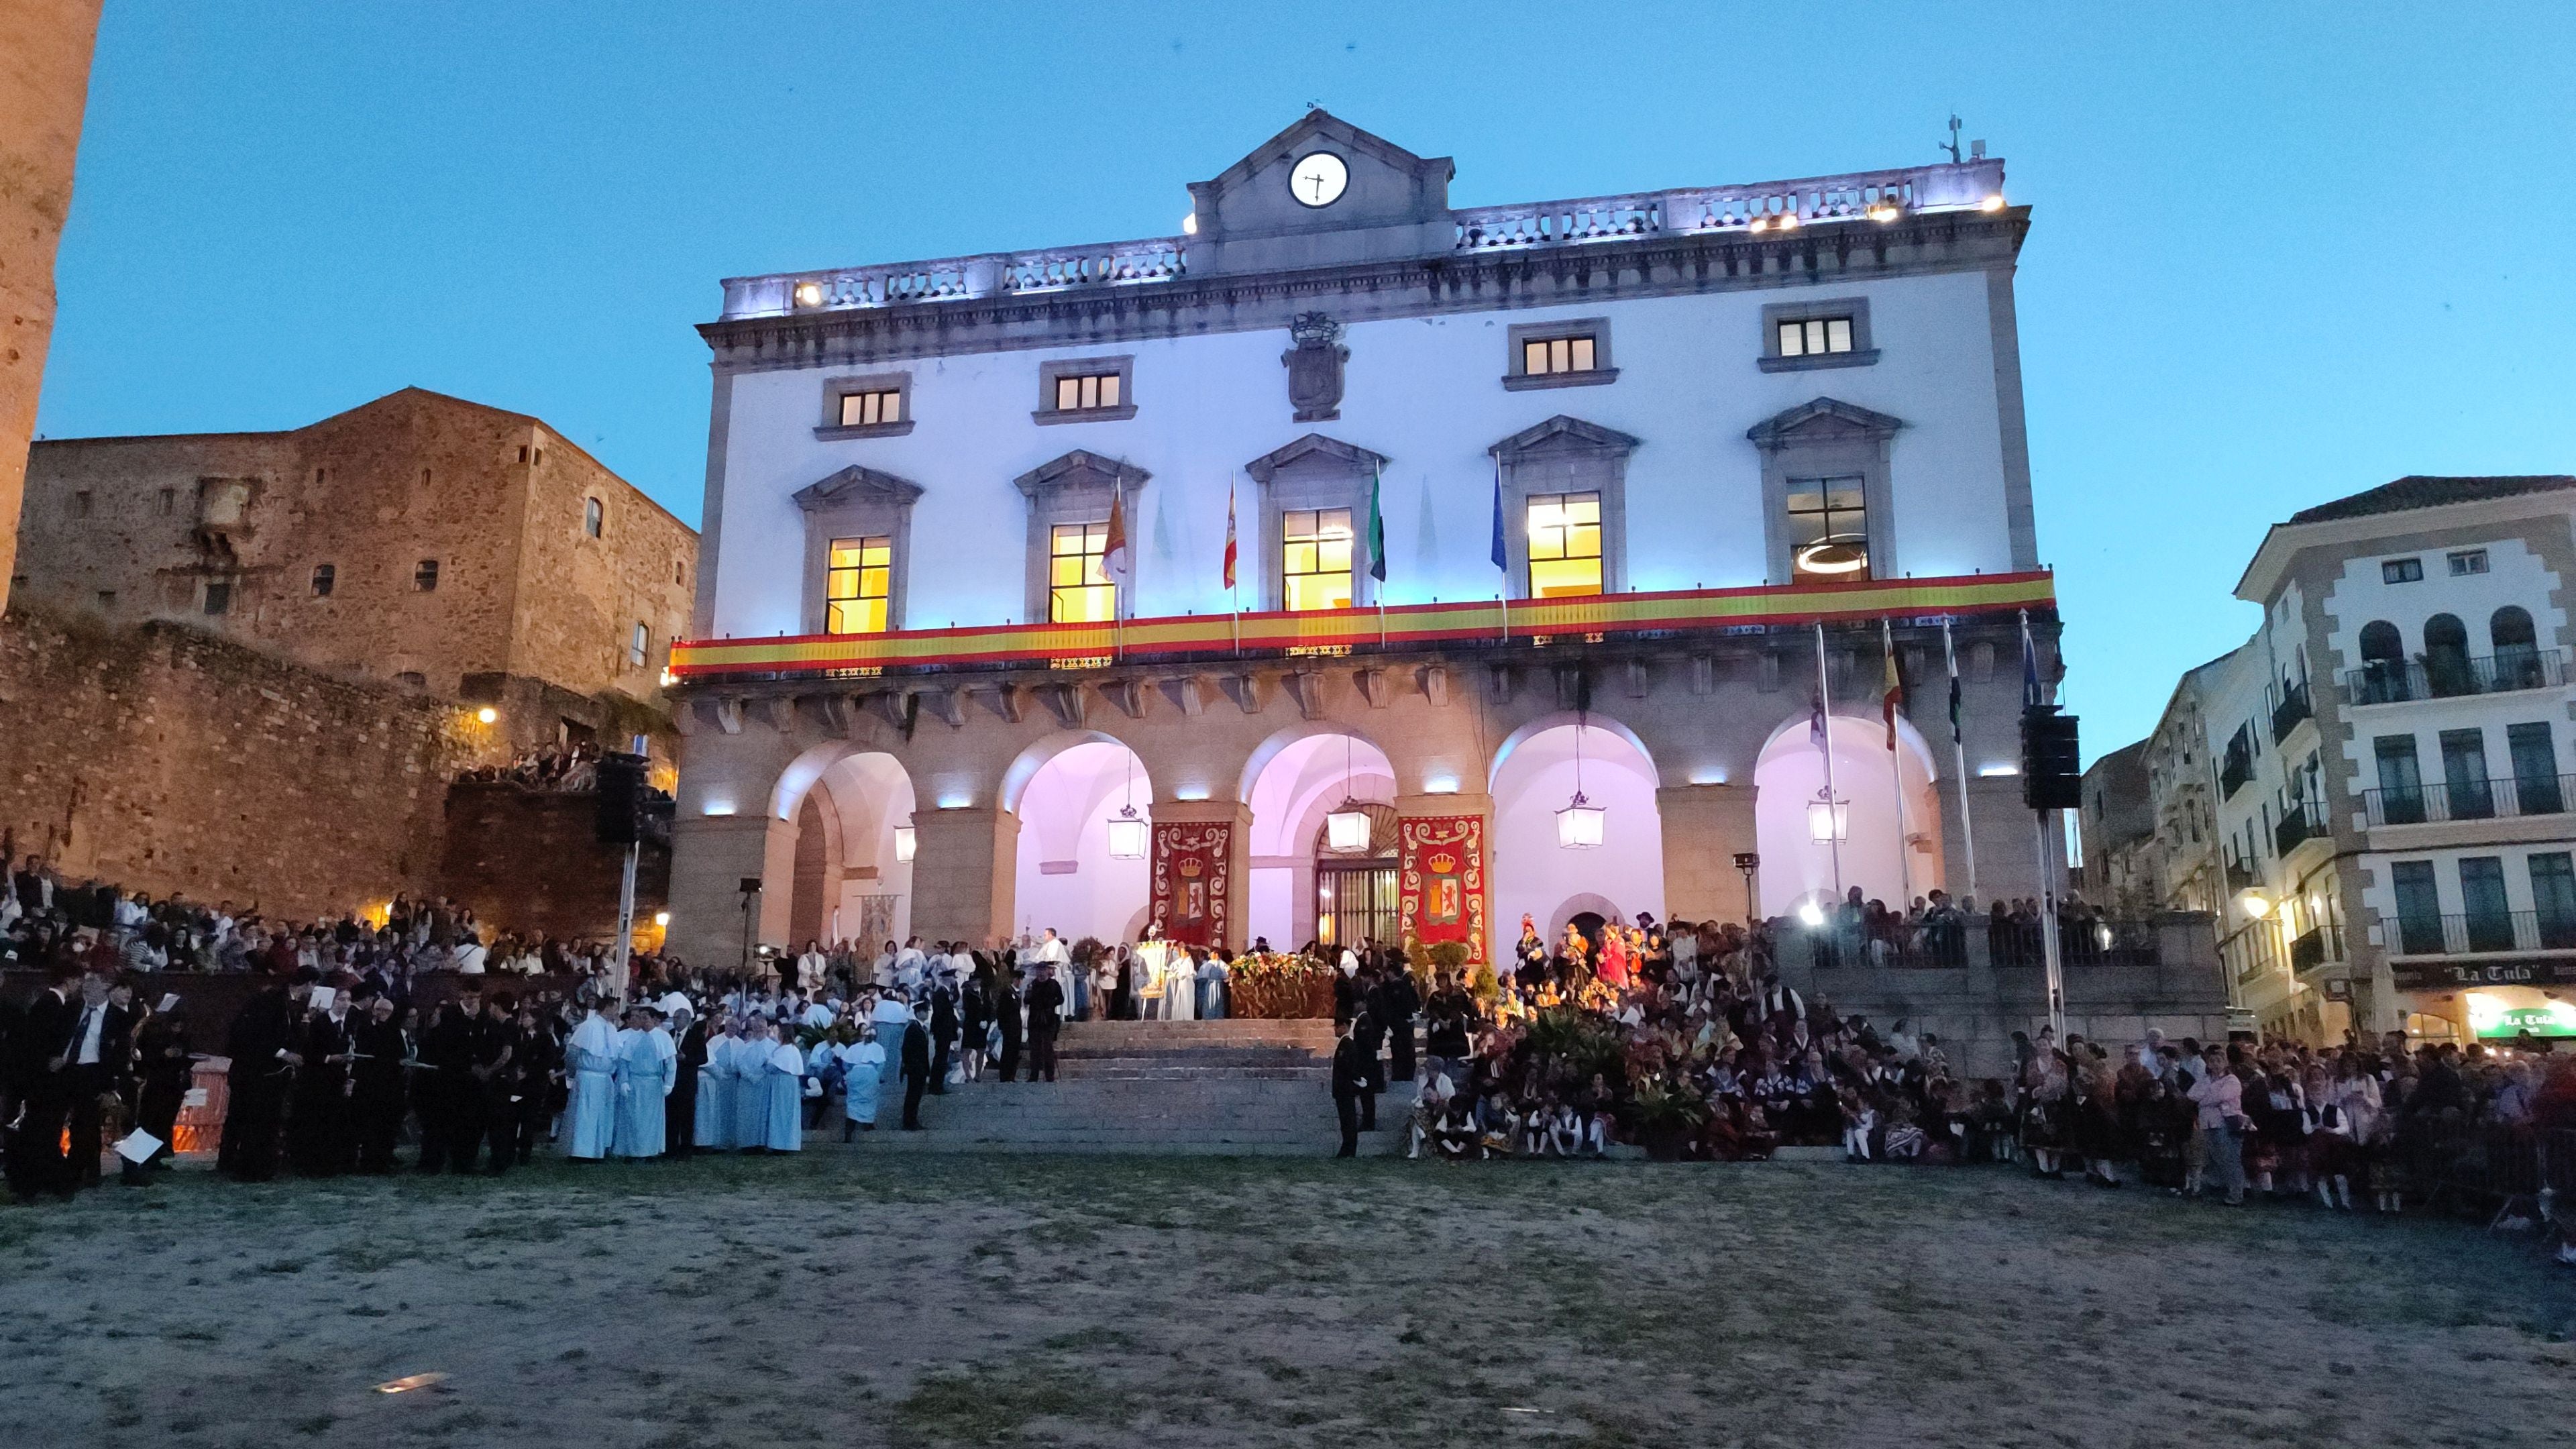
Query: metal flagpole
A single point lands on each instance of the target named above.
(1959, 757)
(626, 891)
(1896, 773)
(1833, 807)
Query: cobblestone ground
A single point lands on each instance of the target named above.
(860, 1299)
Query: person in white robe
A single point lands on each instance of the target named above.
(590, 1066)
(643, 1079)
(1212, 983)
(751, 1086)
(784, 1127)
(1180, 986)
(863, 1062)
(714, 1128)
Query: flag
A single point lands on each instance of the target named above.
(1229, 537)
(1377, 530)
(1957, 735)
(1893, 694)
(1113, 554)
(1502, 552)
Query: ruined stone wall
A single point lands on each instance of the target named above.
(530, 862)
(110, 524)
(173, 761)
(44, 87)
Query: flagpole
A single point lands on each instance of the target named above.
(1896, 771)
(1833, 816)
(1959, 758)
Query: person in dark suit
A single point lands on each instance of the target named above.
(40, 1068)
(102, 1054)
(164, 1070)
(1397, 1002)
(492, 1081)
(262, 1045)
(319, 1138)
(1046, 1018)
(916, 1069)
(1006, 1011)
(376, 1082)
(680, 1109)
(1351, 1070)
(445, 1087)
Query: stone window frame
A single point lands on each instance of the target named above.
(856, 502)
(594, 517)
(1828, 438)
(1864, 351)
(1315, 471)
(1566, 455)
(1124, 365)
(1076, 488)
(1517, 377)
(831, 428)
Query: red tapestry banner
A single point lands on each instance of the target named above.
(1441, 880)
(1190, 885)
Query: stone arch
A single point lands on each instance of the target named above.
(1575, 905)
(1269, 749)
(1535, 774)
(1591, 720)
(1892, 842)
(1025, 766)
(844, 801)
(1065, 791)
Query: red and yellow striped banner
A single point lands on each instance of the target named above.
(1401, 626)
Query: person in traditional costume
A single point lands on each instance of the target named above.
(1614, 957)
(1212, 984)
(1180, 986)
(863, 1063)
(784, 1081)
(644, 1080)
(689, 1059)
(751, 1084)
(590, 1064)
(713, 1127)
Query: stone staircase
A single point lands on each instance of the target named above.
(1231, 1088)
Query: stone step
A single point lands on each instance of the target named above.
(1196, 1057)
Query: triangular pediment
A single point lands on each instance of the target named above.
(1080, 468)
(1392, 203)
(1561, 435)
(856, 484)
(1315, 449)
(1825, 420)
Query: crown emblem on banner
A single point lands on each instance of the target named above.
(1191, 866)
(1442, 864)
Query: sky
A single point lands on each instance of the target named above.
(2279, 252)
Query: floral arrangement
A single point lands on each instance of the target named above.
(1277, 986)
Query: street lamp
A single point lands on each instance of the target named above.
(1126, 829)
(1579, 823)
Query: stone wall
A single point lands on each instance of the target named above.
(173, 761)
(44, 86)
(529, 861)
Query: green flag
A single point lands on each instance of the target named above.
(1377, 531)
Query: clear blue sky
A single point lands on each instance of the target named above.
(2280, 252)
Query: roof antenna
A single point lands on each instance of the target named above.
(1953, 146)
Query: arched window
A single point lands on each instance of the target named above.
(591, 516)
(2517, 651)
(2446, 655)
(2380, 642)
(2383, 674)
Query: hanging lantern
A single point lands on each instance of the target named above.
(1578, 825)
(1126, 835)
(905, 843)
(1346, 830)
(1828, 820)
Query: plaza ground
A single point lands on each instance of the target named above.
(854, 1298)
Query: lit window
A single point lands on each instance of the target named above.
(2402, 571)
(1086, 392)
(1564, 544)
(2468, 561)
(1542, 357)
(1315, 563)
(324, 577)
(592, 516)
(639, 645)
(1078, 586)
(868, 409)
(425, 577)
(1828, 529)
(1815, 336)
(858, 585)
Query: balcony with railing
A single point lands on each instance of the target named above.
(2290, 708)
(2479, 933)
(2241, 877)
(2507, 798)
(2235, 770)
(2301, 820)
(1861, 197)
(2315, 947)
(2448, 676)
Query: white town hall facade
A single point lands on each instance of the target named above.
(926, 683)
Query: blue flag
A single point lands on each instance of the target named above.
(1502, 552)
(1377, 532)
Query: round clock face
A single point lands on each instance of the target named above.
(1318, 179)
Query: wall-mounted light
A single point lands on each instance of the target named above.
(662, 919)
(1997, 772)
(955, 801)
(1189, 792)
(487, 715)
(1884, 212)
(1994, 202)
(1190, 224)
(1440, 785)
(2256, 904)
(809, 294)
(716, 807)
(1708, 775)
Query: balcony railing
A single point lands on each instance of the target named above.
(2505, 798)
(2241, 877)
(2234, 772)
(2292, 708)
(2300, 820)
(1861, 196)
(2448, 676)
(2479, 933)
(2316, 947)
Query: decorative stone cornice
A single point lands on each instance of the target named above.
(857, 484)
(1079, 468)
(1823, 420)
(1563, 434)
(1315, 445)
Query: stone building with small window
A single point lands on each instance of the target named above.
(467, 551)
(1106, 587)
(2376, 793)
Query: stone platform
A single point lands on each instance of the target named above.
(1219, 1088)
